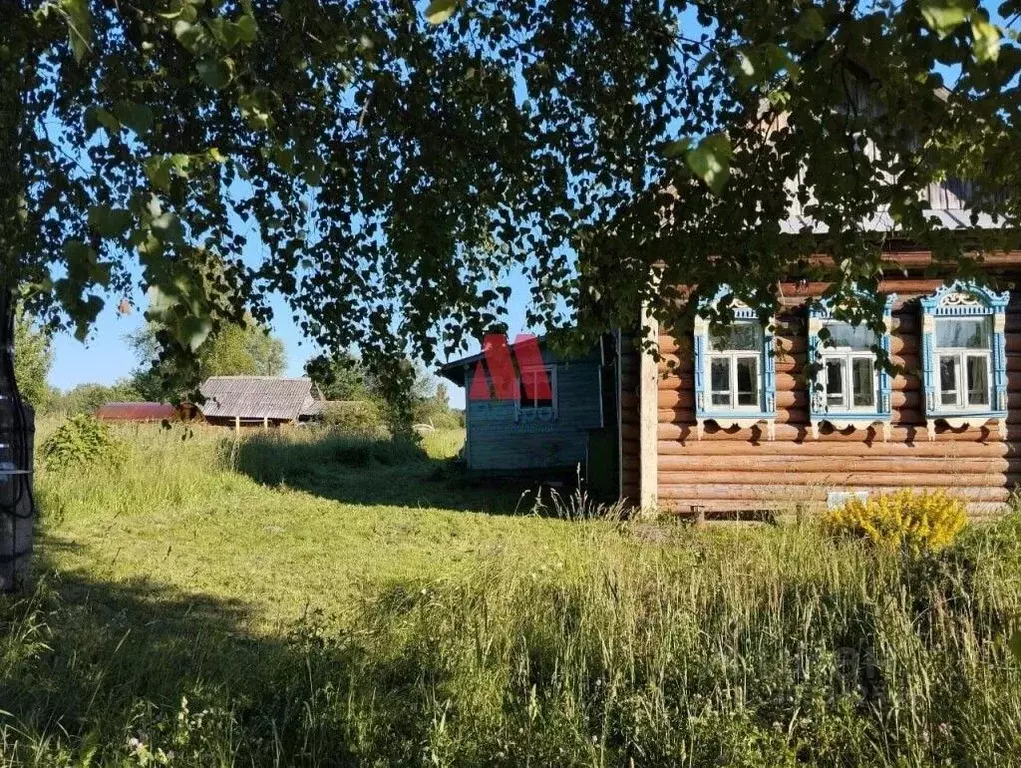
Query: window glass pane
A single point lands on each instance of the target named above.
(526, 401)
(948, 380)
(863, 382)
(846, 335)
(966, 333)
(533, 381)
(544, 386)
(748, 381)
(978, 380)
(742, 336)
(835, 383)
(719, 380)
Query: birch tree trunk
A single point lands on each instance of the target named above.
(16, 419)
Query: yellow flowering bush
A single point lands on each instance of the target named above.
(903, 520)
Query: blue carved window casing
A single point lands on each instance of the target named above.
(847, 389)
(735, 372)
(964, 356)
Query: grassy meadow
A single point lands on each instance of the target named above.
(306, 599)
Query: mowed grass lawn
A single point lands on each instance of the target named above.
(307, 599)
(175, 522)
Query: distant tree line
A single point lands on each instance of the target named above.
(235, 350)
(405, 398)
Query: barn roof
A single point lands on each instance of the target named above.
(258, 397)
(136, 412)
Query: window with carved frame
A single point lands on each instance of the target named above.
(964, 356)
(849, 386)
(735, 371)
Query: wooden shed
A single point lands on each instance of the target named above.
(258, 401)
(550, 417)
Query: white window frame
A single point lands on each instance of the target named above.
(847, 356)
(961, 354)
(534, 410)
(743, 416)
(824, 316)
(965, 300)
(732, 356)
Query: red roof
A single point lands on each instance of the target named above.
(137, 412)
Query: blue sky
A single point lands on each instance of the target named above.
(107, 357)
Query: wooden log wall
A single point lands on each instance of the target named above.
(740, 469)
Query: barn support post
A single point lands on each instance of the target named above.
(265, 423)
(17, 432)
(237, 425)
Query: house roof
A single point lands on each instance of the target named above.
(258, 397)
(883, 222)
(136, 412)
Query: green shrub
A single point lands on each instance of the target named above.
(901, 521)
(358, 417)
(83, 441)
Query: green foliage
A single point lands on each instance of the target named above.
(86, 398)
(358, 417)
(234, 350)
(942, 16)
(453, 137)
(33, 357)
(340, 377)
(266, 350)
(710, 161)
(440, 10)
(411, 399)
(81, 442)
(901, 521)
(435, 410)
(79, 27)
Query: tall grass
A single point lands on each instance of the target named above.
(780, 649)
(776, 648)
(176, 467)
(167, 468)
(283, 456)
(655, 644)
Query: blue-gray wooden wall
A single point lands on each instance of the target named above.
(497, 442)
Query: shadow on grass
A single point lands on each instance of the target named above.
(100, 673)
(370, 472)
